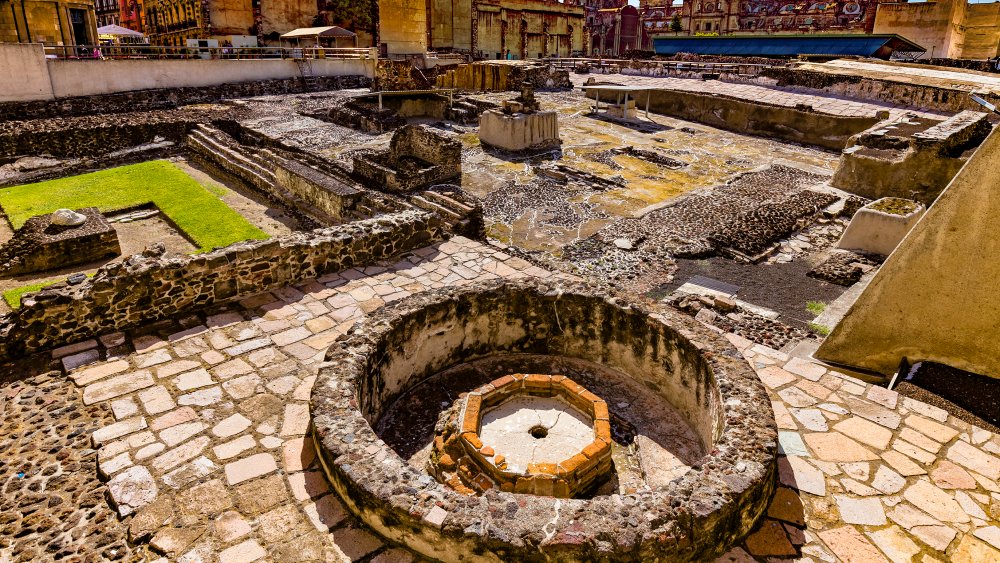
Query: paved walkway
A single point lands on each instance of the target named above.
(829, 104)
(208, 459)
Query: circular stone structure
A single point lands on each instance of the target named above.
(525, 433)
(693, 517)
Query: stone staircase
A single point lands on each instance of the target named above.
(222, 151)
(460, 217)
(310, 82)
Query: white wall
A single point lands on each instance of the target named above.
(35, 78)
(23, 65)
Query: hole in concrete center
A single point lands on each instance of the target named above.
(538, 432)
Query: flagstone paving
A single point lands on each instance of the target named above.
(201, 435)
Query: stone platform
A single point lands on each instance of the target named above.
(202, 437)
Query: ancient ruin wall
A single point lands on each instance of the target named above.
(38, 245)
(146, 288)
(864, 88)
(165, 98)
(795, 124)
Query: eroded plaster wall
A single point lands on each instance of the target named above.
(935, 298)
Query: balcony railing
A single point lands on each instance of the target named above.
(99, 52)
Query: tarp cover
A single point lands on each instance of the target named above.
(786, 45)
(118, 31)
(330, 31)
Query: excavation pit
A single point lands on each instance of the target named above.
(618, 350)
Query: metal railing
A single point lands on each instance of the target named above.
(116, 52)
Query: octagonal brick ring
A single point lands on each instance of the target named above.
(562, 476)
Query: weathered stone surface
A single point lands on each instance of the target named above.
(132, 489)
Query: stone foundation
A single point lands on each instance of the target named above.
(152, 287)
(500, 76)
(418, 158)
(693, 517)
(39, 245)
(914, 158)
(146, 100)
(330, 195)
(519, 131)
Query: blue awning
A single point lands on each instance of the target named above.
(881, 46)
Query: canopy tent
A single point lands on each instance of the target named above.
(118, 35)
(881, 46)
(330, 35)
(118, 31)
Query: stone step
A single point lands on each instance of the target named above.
(448, 202)
(231, 161)
(219, 147)
(434, 207)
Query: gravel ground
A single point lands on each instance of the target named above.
(968, 396)
(784, 288)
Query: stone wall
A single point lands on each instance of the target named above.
(330, 195)
(38, 245)
(102, 134)
(150, 287)
(795, 124)
(165, 98)
(915, 159)
(692, 518)
(500, 76)
(418, 157)
(952, 100)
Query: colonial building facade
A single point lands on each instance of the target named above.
(614, 32)
(499, 29)
(108, 12)
(768, 16)
(53, 22)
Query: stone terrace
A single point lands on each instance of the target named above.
(206, 450)
(786, 97)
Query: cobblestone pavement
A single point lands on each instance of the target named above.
(206, 455)
(826, 103)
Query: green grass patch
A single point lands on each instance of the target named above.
(815, 307)
(13, 296)
(193, 208)
(819, 329)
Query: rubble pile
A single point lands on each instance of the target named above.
(726, 315)
(844, 267)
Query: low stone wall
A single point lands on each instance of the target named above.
(38, 245)
(692, 518)
(324, 192)
(864, 88)
(150, 287)
(165, 98)
(500, 76)
(795, 124)
(102, 134)
(418, 158)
